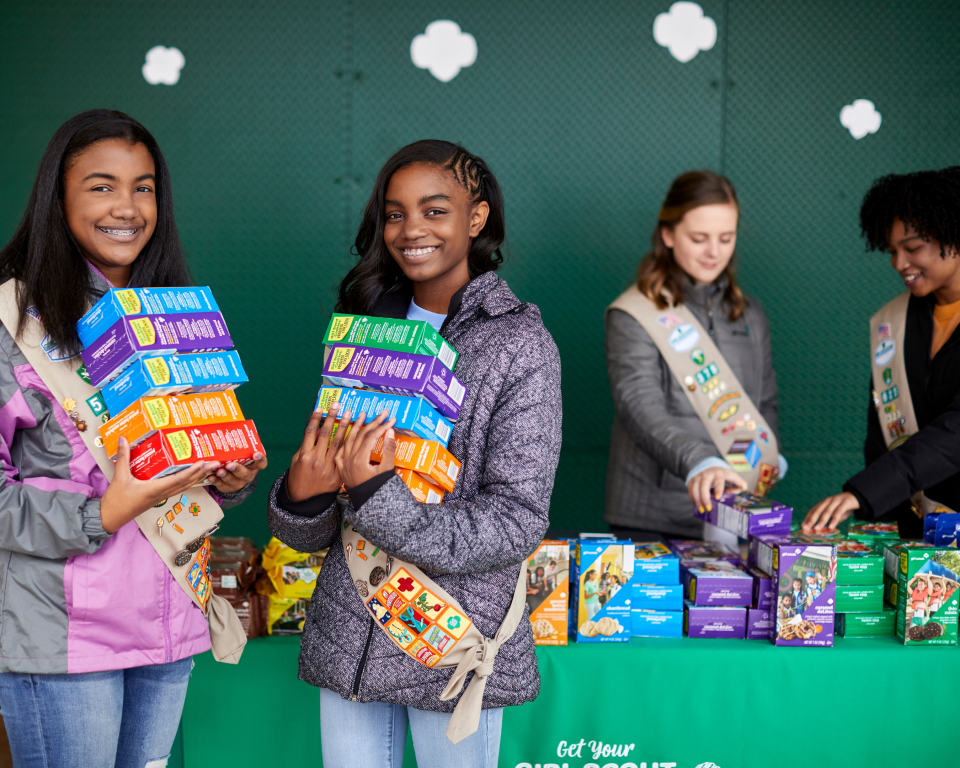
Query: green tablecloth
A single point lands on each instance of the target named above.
(677, 703)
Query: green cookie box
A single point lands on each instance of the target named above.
(863, 598)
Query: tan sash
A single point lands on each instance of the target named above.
(733, 422)
(891, 390)
(429, 625)
(195, 512)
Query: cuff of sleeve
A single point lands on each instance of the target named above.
(306, 507)
(708, 463)
(360, 494)
(866, 511)
(91, 523)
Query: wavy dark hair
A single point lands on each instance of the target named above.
(376, 273)
(46, 258)
(927, 201)
(659, 270)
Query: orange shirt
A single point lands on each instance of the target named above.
(946, 317)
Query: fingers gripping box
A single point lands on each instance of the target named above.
(548, 591)
(747, 514)
(131, 338)
(425, 457)
(806, 579)
(602, 589)
(400, 373)
(124, 302)
(174, 374)
(414, 416)
(171, 450)
(927, 595)
(415, 336)
(142, 419)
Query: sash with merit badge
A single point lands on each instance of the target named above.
(733, 422)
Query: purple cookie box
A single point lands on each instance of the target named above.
(730, 586)
(188, 332)
(807, 556)
(687, 549)
(715, 621)
(748, 515)
(760, 624)
(398, 373)
(763, 591)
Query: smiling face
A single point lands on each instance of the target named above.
(923, 269)
(430, 224)
(110, 204)
(703, 241)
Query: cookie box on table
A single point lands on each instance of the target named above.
(655, 564)
(927, 595)
(661, 597)
(548, 591)
(873, 533)
(649, 622)
(715, 621)
(859, 598)
(174, 374)
(891, 554)
(148, 414)
(878, 624)
(703, 550)
(171, 450)
(760, 623)
(125, 302)
(716, 583)
(400, 373)
(764, 590)
(747, 514)
(889, 591)
(859, 568)
(805, 575)
(610, 622)
(414, 416)
(417, 337)
(941, 528)
(425, 457)
(131, 338)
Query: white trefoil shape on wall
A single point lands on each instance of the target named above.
(860, 118)
(443, 49)
(685, 31)
(163, 65)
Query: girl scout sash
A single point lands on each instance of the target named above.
(185, 554)
(429, 625)
(733, 422)
(891, 391)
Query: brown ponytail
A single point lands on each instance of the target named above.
(659, 272)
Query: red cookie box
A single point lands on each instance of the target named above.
(170, 450)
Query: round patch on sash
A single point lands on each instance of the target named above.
(884, 352)
(377, 575)
(683, 338)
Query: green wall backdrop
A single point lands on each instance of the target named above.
(285, 111)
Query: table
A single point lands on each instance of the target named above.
(675, 703)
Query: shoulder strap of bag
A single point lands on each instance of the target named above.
(194, 512)
(734, 423)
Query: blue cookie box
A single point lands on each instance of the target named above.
(661, 597)
(652, 623)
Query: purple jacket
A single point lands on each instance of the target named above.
(74, 598)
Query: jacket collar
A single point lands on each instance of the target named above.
(699, 295)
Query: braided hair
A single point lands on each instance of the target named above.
(926, 201)
(376, 273)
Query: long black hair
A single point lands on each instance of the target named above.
(926, 201)
(376, 273)
(46, 258)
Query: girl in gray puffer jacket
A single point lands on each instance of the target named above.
(429, 245)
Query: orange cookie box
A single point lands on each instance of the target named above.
(421, 488)
(425, 457)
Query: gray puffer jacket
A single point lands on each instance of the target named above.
(657, 437)
(471, 544)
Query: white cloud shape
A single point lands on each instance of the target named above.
(685, 31)
(444, 49)
(163, 65)
(860, 118)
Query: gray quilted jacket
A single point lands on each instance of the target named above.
(657, 438)
(471, 544)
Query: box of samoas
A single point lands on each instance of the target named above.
(172, 375)
(125, 302)
(602, 568)
(414, 415)
(415, 336)
(806, 579)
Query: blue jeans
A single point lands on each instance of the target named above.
(373, 735)
(126, 718)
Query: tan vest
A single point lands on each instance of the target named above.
(734, 423)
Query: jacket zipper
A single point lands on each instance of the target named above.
(167, 643)
(363, 661)
(709, 317)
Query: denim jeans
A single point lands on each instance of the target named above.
(373, 735)
(126, 718)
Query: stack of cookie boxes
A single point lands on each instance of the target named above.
(718, 591)
(163, 359)
(405, 367)
(860, 605)
(657, 608)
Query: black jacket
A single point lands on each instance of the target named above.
(930, 460)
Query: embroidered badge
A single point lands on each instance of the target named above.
(429, 605)
(400, 634)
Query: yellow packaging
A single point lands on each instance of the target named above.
(286, 615)
(548, 590)
(421, 488)
(145, 416)
(425, 457)
(287, 573)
